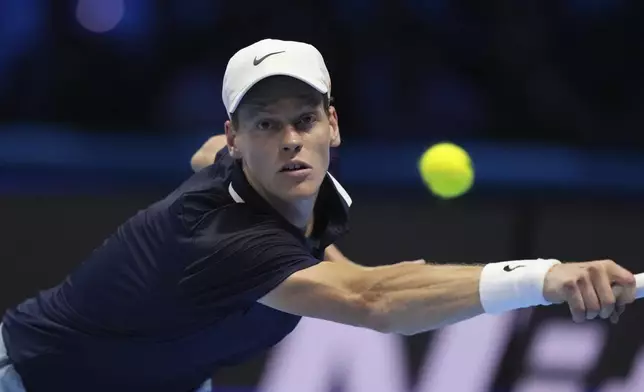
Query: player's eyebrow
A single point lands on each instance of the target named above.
(266, 110)
(253, 113)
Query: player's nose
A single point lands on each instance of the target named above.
(291, 140)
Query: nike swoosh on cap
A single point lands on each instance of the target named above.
(257, 61)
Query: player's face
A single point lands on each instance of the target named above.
(285, 146)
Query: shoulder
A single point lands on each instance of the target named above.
(203, 193)
(238, 223)
(239, 254)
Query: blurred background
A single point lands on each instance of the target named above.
(103, 102)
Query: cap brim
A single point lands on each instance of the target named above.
(316, 84)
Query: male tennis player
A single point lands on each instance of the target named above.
(225, 266)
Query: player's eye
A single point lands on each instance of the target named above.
(267, 125)
(306, 121)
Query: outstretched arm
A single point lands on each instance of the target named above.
(409, 298)
(405, 298)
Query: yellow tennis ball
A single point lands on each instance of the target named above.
(447, 170)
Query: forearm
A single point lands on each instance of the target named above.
(410, 298)
(417, 297)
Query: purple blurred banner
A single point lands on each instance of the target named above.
(466, 357)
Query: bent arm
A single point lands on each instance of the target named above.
(405, 298)
(205, 156)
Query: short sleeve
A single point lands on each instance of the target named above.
(236, 256)
(221, 154)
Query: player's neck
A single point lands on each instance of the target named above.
(299, 212)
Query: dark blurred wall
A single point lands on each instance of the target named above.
(44, 237)
(566, 71)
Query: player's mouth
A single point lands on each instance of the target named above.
(296, 168)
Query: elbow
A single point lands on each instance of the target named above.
(205, 156)
(198, 161)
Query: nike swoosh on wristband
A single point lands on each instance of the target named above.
(257, 61)
(507, 268)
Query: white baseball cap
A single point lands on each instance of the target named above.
(272, 57)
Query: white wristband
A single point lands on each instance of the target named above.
(510, 285)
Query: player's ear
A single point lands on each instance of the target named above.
(231, 139)
(334, 128)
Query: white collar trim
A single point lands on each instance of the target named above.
(341, 191)
(234, 194)
(339, 188)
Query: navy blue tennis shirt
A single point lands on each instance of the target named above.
(172, 295)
